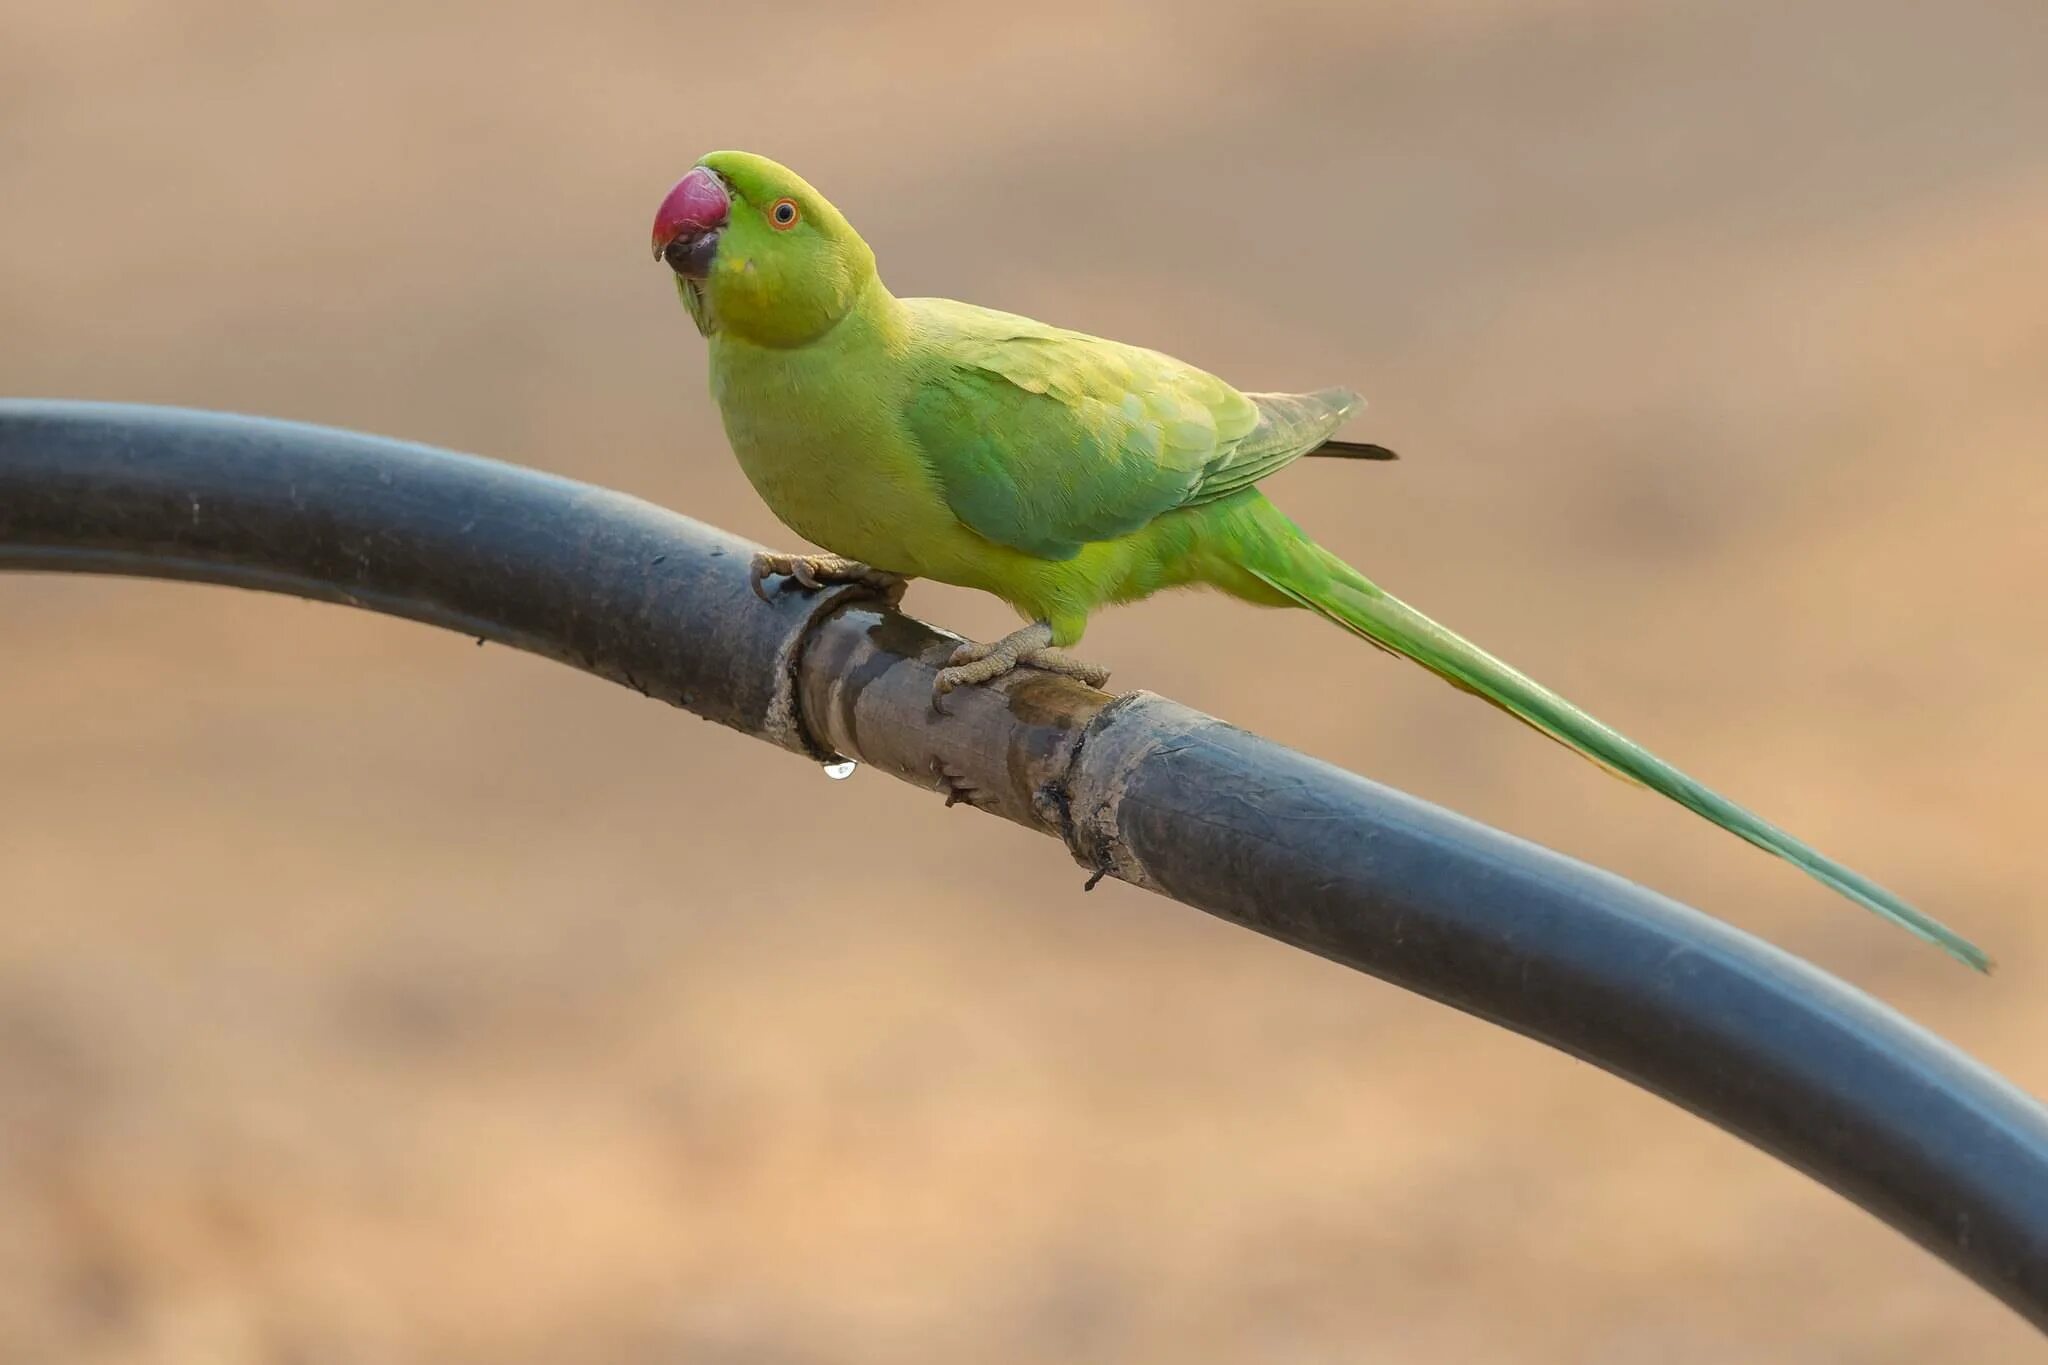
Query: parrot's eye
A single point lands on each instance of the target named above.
(783, 214)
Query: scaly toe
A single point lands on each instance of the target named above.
(972, 674)
(1065, 664)
(969, 653)
(891, 586)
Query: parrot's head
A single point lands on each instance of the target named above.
(758, 253)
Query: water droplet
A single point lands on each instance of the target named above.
(841, 770)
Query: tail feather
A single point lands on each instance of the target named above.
(1326, 585)
(1353, 450)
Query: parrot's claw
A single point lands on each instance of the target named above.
(973, 664)
(815, 572)
(958, 789)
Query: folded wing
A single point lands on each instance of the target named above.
(1045, 439)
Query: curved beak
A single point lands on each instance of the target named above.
(687, 223)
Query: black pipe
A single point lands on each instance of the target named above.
(1142, 788)
(588, 577)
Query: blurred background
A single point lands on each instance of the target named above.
(367, 996)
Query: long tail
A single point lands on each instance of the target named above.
(1311, 576)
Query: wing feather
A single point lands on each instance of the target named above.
(1046, 440)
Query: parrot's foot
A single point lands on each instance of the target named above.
(1031, 647)
(819, 571)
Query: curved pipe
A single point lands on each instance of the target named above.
(1750, 1038)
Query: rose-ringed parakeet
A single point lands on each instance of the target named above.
(924, 438)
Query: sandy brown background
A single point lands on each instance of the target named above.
(366, 996)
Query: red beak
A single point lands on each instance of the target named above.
(697, 206)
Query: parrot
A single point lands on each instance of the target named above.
(1060, 472)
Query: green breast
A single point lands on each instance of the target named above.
(818, 432)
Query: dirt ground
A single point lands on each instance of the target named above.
(366, 996)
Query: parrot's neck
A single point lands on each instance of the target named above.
(774, 310)
(876, 318)
(876, 312)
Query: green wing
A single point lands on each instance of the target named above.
(1045, 439)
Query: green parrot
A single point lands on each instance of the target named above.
(924, 438)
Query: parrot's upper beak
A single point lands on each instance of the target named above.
(686, 226)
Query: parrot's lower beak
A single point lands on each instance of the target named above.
(687, 224)
(691, 255)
